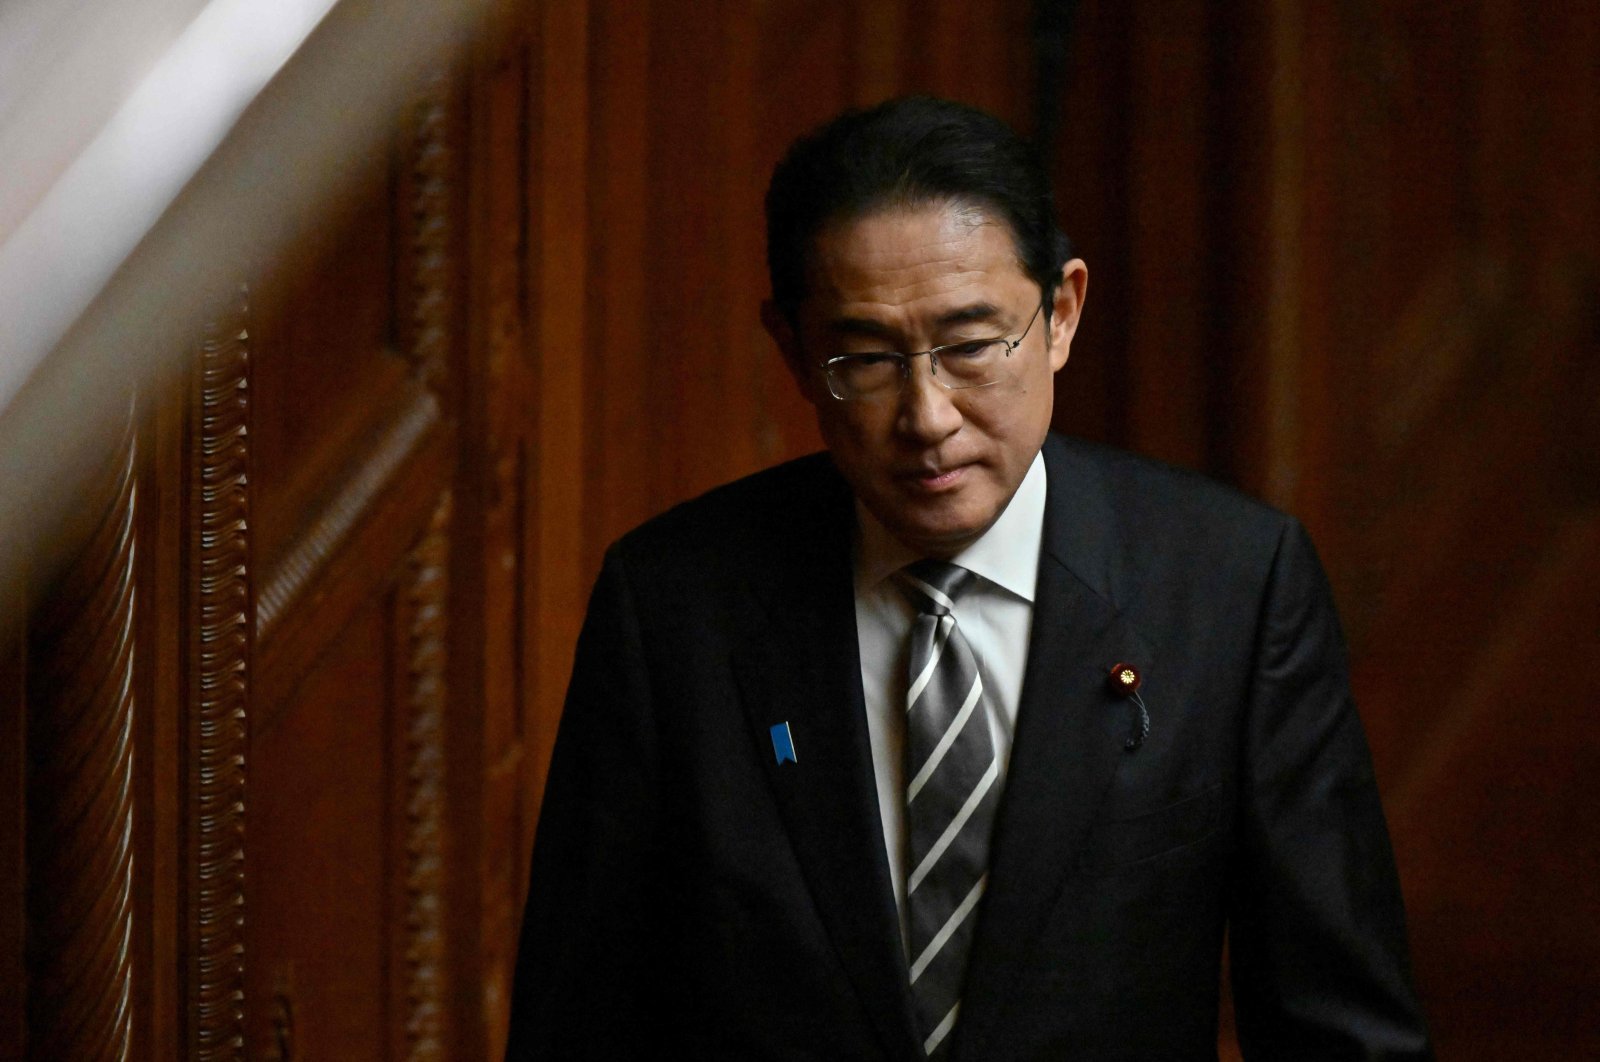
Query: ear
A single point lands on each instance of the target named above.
(1065, 310)
(777, 324)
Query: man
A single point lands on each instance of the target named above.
(963, 740)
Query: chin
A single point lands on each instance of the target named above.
(936, 526)
(942, 537)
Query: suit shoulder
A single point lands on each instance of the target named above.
(1138, 530)
(1154, 497)
(740, 517)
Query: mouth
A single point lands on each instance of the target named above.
(934, 480)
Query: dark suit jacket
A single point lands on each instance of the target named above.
(692, 897)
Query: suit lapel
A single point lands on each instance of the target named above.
(804, 669)
(1067, 746)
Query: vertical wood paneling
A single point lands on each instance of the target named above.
(803, 82)
(1093, 206)
(878, 38)
(80, 851)
(561, 365)
(163, 665)
(977, 53)
(495, 411)
(489, 758)
(1284, 225)
(741, 344)
(689, 114)
(1167, 343)
(621, 450)
(324, 933)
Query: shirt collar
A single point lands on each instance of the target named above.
(1007, 554)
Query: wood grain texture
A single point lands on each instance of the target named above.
(324, 936)
(487, 751)
(81, 687)
(1284, 224)
(1167, 344)
(220, 637)
(561, 371)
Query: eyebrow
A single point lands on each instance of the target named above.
(866, 326)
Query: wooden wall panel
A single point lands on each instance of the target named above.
(317, 821)
(1088, 165)
(1168, 221)
(347, 930)
(1465, 556)
(244, 767)
(491, 554)
(331, 316)
(161, 665)
(559, 371)
(356, 618)
(619, 285)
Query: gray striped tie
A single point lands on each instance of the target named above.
(950, 797)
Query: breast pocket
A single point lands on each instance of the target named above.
(1179, 825)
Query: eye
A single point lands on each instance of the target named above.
(978, 348)
(865, 370)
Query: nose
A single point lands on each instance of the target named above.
(928, 414)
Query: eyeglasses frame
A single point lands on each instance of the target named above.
(933, 360)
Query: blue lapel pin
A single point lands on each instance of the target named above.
(783, 743)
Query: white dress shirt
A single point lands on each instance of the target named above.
(994, 614)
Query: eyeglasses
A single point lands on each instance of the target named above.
(956, 366)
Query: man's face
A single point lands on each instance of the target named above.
(936, 467)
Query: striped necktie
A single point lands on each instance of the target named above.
(950, 797)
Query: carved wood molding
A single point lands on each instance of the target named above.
(425, 614)
(80, 785)
(432, 166)
(333, 523)
(219, 671)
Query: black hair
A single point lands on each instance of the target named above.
(913, 151)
